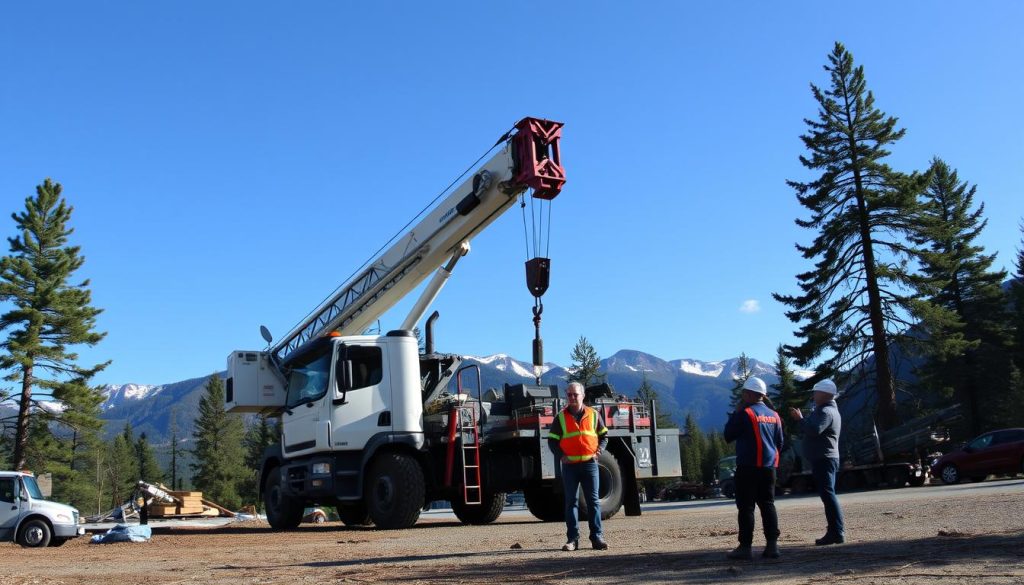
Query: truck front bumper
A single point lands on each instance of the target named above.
(68, 530)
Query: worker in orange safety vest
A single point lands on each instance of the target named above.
(577, 438)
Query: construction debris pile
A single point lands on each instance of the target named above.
(157, 501)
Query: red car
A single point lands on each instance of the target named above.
(994, 452)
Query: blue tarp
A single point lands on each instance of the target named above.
(124, 533)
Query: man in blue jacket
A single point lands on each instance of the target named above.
(820, 430)
(757, 431)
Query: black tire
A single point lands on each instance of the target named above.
(544, 503)
(35, 533)
(483, 513)
(394, 491)
(950, 474)
(282, 513)
(610, 488)
(729, 488)
(354, 514)
(799, 485)
(917, 480)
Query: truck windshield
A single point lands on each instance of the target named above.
(308, 376)
(32, 487)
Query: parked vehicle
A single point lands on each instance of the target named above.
(995, 452)
(727, 476)
(29, 519)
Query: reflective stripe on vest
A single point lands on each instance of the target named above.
(579, 441)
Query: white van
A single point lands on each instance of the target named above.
(29, 519)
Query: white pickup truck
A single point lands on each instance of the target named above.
(27, 518)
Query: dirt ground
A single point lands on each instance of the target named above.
(972, 536)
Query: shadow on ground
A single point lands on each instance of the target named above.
(1002, 555)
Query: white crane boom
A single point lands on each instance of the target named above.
(527, 158)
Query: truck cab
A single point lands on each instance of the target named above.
(29, 519)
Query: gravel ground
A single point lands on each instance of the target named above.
(922, 535)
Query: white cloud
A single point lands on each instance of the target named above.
(750, 306)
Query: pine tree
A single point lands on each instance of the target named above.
(149, 469)
(963, 305)
(648, 395)
(1017, 298)
(259, 435)
(692, 453)
(219, 469)
(586, 364)
(175, 450)
(121, 467)
(854, 301)
(743, 373)
(785, 394)
(49, 316)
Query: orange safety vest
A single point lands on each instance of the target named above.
(578, 441)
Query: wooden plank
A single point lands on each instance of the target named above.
(222, 509)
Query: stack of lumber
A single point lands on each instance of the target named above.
(186, 504)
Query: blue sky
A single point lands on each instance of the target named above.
(231, 163)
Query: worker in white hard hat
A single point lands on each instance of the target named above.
(757, 430)
(820, 431)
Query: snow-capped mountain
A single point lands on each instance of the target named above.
(117, 395)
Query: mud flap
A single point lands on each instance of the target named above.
(631, 491)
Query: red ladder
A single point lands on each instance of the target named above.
(471, 492)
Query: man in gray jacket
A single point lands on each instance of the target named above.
(820, 432)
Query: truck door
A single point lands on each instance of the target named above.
(362, 399)
(308, 378)
(10, 507)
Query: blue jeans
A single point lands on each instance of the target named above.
(824, 471)
(574, 475)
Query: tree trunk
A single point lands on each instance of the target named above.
(21, 430)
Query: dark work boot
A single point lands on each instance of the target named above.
(771, 550)
(740, 553)
(830, 538)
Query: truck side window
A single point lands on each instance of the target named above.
(367, 366)
(7, 490)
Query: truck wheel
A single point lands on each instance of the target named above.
(544, 503)
(483, 513)
(917, 480)
(609, 491)
(949, 474)
(282, 513)
(354, 514)
(35, 534)
(394, 491)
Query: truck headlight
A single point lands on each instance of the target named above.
(321, 469)
(63, 518)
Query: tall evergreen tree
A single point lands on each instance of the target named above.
(586, 365)
(121, 467)
(648, 395)
(743, 373)
(786, 394)
(174, 431)
(1017, 297)
(692, 452)
(963, 307)
(259, 434)
(854, 301)
(219, 469)
(149, 469)
(50, 316)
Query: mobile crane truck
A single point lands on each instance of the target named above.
(374, 427)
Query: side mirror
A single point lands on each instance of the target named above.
(342, 376)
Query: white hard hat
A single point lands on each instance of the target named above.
(827, 386)
(755, 384)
